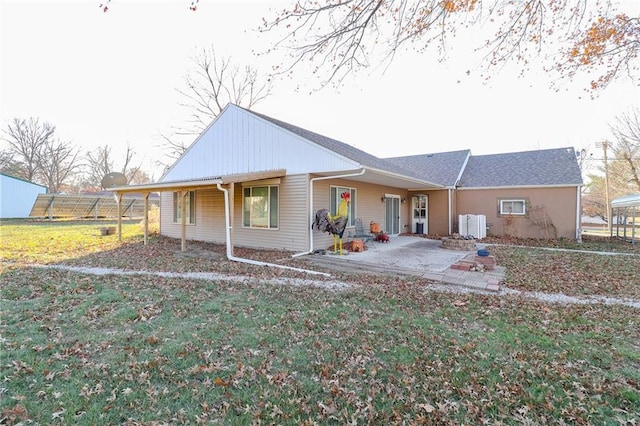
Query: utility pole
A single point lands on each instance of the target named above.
(605, 145)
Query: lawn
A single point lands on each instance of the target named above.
(136, 349)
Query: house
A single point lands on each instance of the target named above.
(17, 196)
(256, 181)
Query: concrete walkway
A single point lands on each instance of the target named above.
(415, 256)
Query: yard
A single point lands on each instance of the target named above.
(270, 346)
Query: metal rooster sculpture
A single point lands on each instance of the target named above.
(334, 224)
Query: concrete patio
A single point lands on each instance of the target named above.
(414, 256)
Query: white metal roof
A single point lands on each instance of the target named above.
(632, 200)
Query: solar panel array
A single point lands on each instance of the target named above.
(87, 206)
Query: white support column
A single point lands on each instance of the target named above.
(146, 218)
(119, 213)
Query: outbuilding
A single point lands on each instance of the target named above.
(626, 210)
(17, 196)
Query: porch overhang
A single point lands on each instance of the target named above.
(385, 178)
(184, 186)
(192, 184)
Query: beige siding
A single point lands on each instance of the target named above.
(438, 219)
(438, 212)
(209, 223)
(293, 224)
(551, 211)
(292, 233)
(369, 207)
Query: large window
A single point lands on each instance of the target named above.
(513, 207)
(260, 207)
(336, 197)
(190, 204)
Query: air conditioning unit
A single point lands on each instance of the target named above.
(473, 224)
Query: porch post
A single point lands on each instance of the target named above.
(633, 226)
(146, 218)
(119, 213)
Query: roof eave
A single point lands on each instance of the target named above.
(405, 177)
(185, 185)
(563, 185)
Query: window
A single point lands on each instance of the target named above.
(513, 207)
(336, 197)
(260, 207)
(190, 201)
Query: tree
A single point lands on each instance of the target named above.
(27, 139)
(212, 84)
(627, 149)
(7, 162)
(622, 168)
(57, 162)
(341, 36)
(100, 162)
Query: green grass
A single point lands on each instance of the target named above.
(44, 241)
(81, 349)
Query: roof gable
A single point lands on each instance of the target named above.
(548, 167)
(348, 151)
(240, 141)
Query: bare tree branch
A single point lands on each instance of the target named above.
(627, 149)
(210, 86)
(342, 36)
(27, 139)
(58, 161)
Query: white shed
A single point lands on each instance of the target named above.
(17, 196)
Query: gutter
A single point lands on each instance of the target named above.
(360, 173)
(230, 256)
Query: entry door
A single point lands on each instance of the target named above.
(420, 204)
(392, 215)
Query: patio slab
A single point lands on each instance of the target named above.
(413, 256)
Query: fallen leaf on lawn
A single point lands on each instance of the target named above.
(219, 382)
(427, 407)
(57, 414)
(459, 303)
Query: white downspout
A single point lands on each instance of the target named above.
(360, 173)
(578, 216)
(450, 212)
(251, 261)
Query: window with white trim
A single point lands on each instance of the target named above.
(260, 207)
(513, 207)
(335, 198)
(190, 204)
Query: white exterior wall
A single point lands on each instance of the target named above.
(17, 196)
(240, 142)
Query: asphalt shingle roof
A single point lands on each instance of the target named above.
(530, 168)
(346, 150)
(442, 168)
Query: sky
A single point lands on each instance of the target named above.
(111, 78)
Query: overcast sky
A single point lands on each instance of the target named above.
(111, 78)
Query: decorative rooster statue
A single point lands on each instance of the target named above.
(335, 225)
